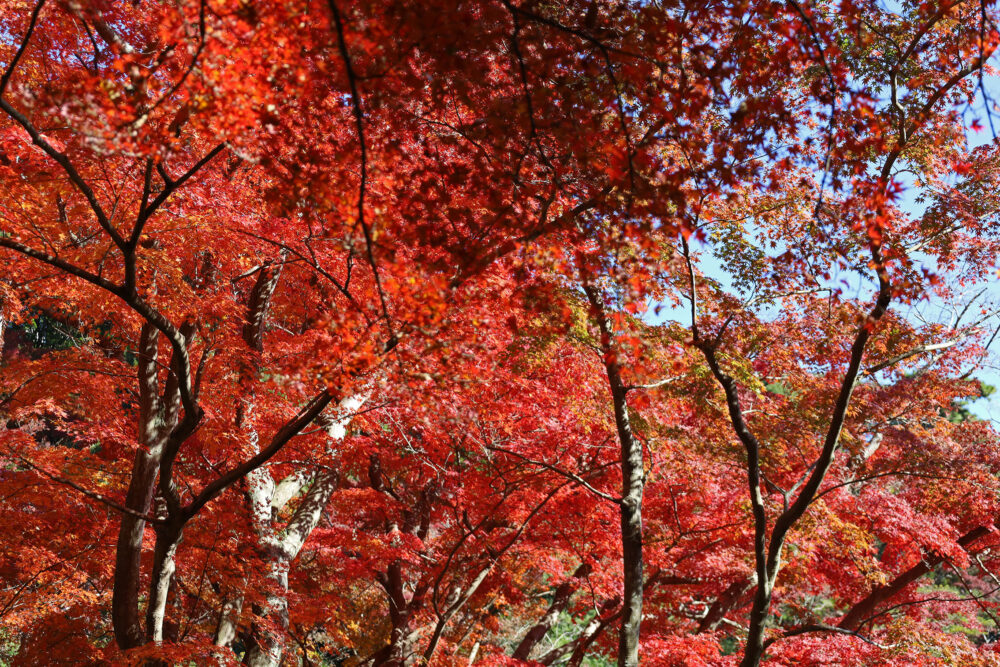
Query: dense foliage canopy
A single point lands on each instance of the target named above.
(498, 332)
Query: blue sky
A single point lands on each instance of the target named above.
(853, 285)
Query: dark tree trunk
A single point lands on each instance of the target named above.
(633, 479)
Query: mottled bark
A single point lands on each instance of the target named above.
(168, 537)
(267, 647)
(169, 533)
(172, 432)
(258, 305)
(229, 618)
(125, 614)
(282, 549)
(288, 488)
(260, 485)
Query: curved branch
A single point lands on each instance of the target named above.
(822, 627)
(292, 428)
(865, 609)
(9, 72)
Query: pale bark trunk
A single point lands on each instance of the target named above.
(259, 482)
(168, 533)
(160, 589)
(288, 488)
(267, 648)
(267, 499)
(229, 619)
(260, 486)
(168, 537)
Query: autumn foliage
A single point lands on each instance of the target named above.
(506, 332)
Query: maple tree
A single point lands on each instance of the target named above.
(497, 333)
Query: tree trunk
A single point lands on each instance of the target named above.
(754, 650)
(168, 536)
(455, 602)
(229, 619)
(267, 648)
(125, 617)
(633, 479)
(767, 552)
(631, 528)
(125, 596)
(398, 653)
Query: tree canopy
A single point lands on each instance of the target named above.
(498, 332)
